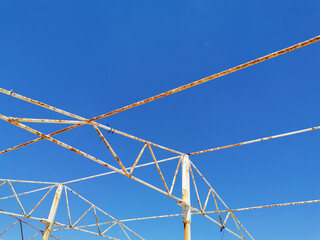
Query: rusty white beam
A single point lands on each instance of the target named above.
(41, 104)
(84, 122)
(256, 140)
(203, 80)
(33, 120)
(267, 206)
(39, 120)
(222, 211)
(214, 76)
(27, 181)
(53, 212)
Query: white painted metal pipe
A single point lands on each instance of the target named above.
(186, 206)
(53, 212)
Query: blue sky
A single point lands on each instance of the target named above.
(90, 57)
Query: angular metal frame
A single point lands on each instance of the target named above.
(183, 201)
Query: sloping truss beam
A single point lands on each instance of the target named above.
(83, 121)
(70, 224)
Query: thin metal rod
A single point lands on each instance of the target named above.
(244, 229)
(138, 158)
(21, 230)
(234, 219)
(175, 175)
(158, 168)
(9, 228)
(4, 182)
(110, 148)
(35, 235)
(226, 219)
(207, 199)
(256, 140)
(82, 216)
(109, 228)
(14, 192)
(133, 232)
(124, 231)
(196, 189)
(217, 207)
(41, 200)
(68, 208)
(95, 214)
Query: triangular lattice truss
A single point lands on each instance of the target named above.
(219, 212)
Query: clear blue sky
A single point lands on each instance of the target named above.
(90, 57)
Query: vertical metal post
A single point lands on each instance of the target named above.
(186, 207)
(53, 212)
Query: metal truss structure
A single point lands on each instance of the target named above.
(104, 222)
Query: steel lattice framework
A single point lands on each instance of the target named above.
(183, 164)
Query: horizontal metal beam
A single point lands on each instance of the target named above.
(256, 140)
